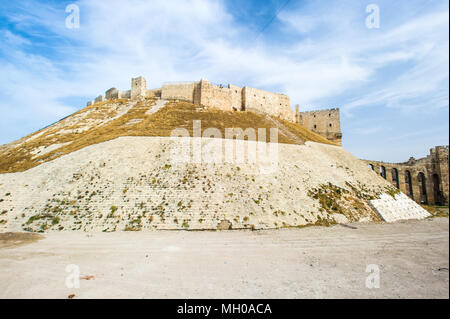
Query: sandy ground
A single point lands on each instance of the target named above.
(313, 262)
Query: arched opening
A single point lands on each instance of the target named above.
(371, 166)
(437, 190)
(395, 177)
(383, 171)
(423, 188)
(408, 183)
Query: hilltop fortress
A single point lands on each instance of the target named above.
(112, 167)
(234, 98)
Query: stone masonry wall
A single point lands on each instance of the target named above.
(154, 93)
(178, 91)
(267, 102)
(230, 98)
(236, 97)
(215, 96)
(138, 88)
(425, 180)
(233, 98)
(324, 122)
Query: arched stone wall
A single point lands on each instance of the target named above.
(434, 168)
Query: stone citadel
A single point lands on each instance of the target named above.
(425, 180)
(234, 98)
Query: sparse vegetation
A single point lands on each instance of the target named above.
(392, 191)
(436, 211)
(336, 200)
(172, 115)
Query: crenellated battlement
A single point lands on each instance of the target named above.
(329, 109)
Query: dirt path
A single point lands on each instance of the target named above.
(314, 262)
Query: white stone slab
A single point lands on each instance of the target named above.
(402, 207)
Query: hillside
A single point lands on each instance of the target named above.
(108, 120)
(109, 167)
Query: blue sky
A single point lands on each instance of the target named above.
(391, 83)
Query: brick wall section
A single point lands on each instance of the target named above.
(434, 189)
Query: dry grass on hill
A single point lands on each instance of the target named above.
(103, 121)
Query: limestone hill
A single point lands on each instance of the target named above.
(108, 167)
(108, 120)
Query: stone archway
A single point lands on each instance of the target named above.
(383, 171)
(423, 188)
(408, 183)
(395, 180)
(437, 190)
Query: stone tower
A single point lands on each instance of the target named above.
(323, 122)
(138, 88)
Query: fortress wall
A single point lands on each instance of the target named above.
(99, 98)
(112, 93)
(285, 111)
(236, 97)
(324, 122)
(138, 88)
(267, 102)
(124, 94)
(434, 189)
(153, 93)
(178, 91)
(214, 96)
(440, 157)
